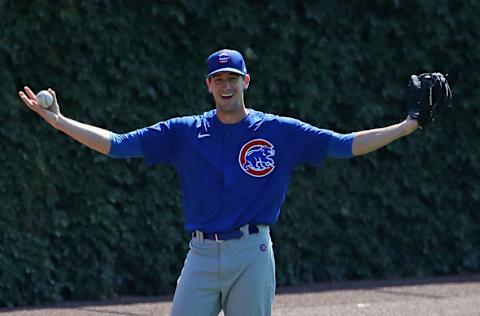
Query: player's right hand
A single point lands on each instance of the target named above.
(51, 115)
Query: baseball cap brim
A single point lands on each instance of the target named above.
(229, 69)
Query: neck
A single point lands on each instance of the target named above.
(232, 117)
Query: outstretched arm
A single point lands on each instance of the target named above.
(91, 136)
(370, 140)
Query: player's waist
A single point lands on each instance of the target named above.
(249, 229)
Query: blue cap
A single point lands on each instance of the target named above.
(226, 60)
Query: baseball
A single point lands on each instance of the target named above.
(45, 99)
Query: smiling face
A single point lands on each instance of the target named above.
(227, 90)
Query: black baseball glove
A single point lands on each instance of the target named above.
(429, 95)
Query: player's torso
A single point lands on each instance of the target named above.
(233, 174)
(250, 152)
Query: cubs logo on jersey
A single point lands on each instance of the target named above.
(256, 158)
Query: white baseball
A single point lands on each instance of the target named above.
(45, 99)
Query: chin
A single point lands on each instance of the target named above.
(228, 107)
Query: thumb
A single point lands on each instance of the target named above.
(55, 107)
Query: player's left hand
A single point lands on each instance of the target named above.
(429, 95)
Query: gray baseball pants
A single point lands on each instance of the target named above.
(236, 276)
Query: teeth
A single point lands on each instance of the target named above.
(227, 95)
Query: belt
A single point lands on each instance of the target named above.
(236, 234)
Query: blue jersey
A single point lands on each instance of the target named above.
(232, 175)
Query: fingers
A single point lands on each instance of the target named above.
(54, 95)
(29, 102)
(30, 99)
(27, 96)
(55, 108)
(30, 93)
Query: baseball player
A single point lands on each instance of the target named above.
(234, 164)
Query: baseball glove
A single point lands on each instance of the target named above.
(429, 95)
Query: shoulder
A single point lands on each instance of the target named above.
(193, 121)
(297, 126)
(284, 121)
(270, 118)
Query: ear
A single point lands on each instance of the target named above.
(246, 82)
(207, 82)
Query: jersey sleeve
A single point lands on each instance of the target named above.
(153, 143)
(340, 145)
(315, 144)
(157, 143)
(125, 145)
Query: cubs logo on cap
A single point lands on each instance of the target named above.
(256, 158)
(223, 58)
(226, 60)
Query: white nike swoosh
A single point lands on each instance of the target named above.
(202, 135)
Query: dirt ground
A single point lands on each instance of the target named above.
(434, 296)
